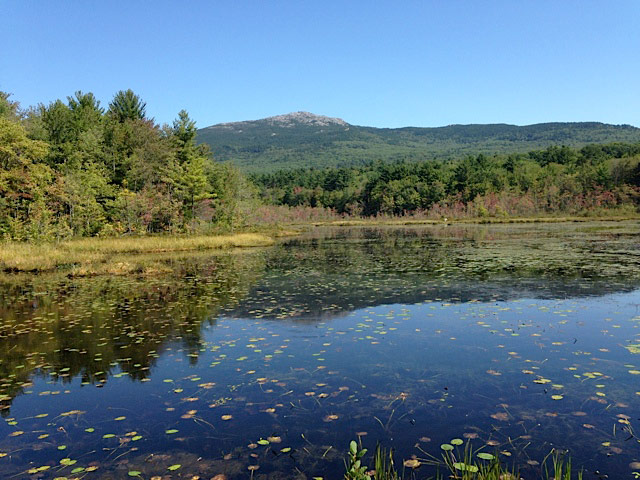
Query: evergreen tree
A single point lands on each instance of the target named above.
(126, 105)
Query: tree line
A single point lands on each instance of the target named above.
(75, 168)
(556, 179)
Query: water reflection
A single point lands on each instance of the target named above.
(54, 327)
(337, 270)
(513, 337)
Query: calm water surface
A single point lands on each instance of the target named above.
(519, 339)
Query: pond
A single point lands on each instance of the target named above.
(265, 363)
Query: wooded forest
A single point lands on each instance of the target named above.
(558, 179)
(73, 168)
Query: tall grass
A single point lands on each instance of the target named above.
(109, 252)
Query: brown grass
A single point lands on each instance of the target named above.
(115, 255)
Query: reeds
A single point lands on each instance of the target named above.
(111, 253)
(463, 463)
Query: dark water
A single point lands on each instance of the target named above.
(519, 339)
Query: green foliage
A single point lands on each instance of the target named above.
(384, 466)
(557, 179)
(267, 145)
(72, 169)
(561, 468)
(355, 469)
(8, 108)
(460, 463)
(126, 105)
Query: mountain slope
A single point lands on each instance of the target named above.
(302, 139)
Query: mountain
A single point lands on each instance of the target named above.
(302, 139)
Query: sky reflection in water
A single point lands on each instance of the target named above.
(519, 339)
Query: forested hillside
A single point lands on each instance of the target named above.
(303, 140)
(74, 168)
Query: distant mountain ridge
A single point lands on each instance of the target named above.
(303, 139)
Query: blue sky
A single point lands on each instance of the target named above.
(379, 63)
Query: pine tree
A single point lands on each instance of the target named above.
(126, 105)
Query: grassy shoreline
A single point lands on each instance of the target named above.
(141, 255)
(93, 256)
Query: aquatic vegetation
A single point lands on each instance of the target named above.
(272, 360)
(465, 464)
(114, 255)
(355, 469)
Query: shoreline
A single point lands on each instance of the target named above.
(116, 256)
(138, 255)
(472, 221)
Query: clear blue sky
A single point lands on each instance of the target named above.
(380, 63)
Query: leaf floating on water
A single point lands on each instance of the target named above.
(503, 417)
(286, 450)
(134, 473)
(262, 441)
(557, 397)
(485, 456)
(171, 431)
(72, 412)
(457, 441)
(542, 380)
(465, 467)
(411, 463)
(446, 447)
(174, 467)
(226, 417)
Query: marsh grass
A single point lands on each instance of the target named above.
(457, 463)
(115, 255)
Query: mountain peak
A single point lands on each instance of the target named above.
(293, 118)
